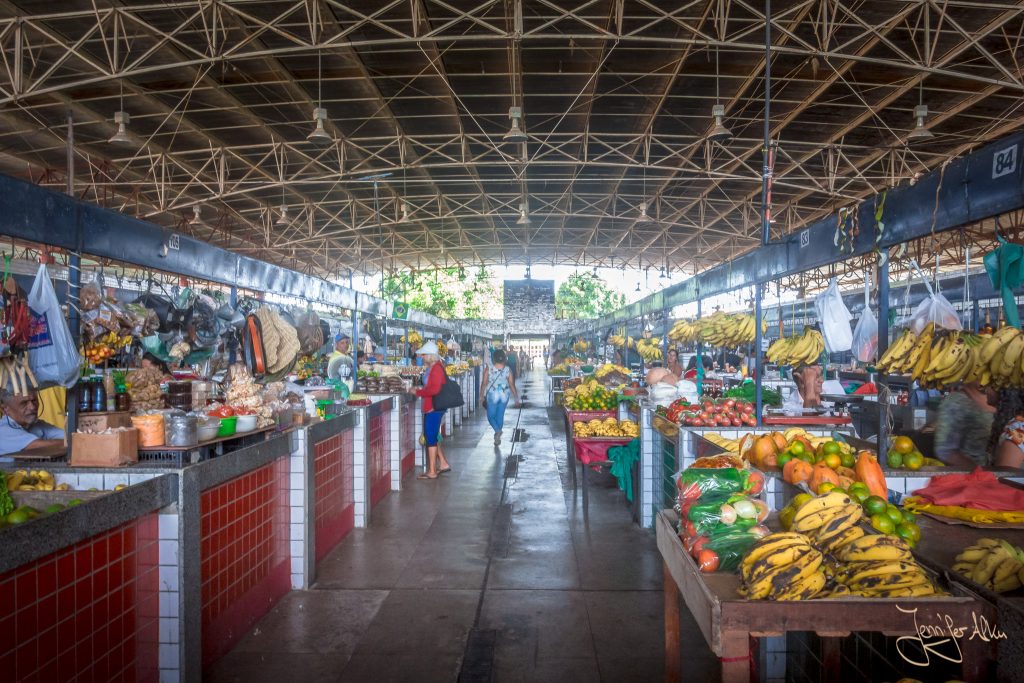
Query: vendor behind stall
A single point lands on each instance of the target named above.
(20, 427)
(342, 355)
(964, 424)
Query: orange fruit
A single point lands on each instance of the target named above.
(909, 532)
(833, 460)
(848, 460)
(831, 448)
(903, 445)
(825, 487)
(875, 505)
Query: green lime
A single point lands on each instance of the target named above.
(882, 523)
(826, 486)
(797, 447)
(784, 458)
(799, 499)
(894, 459)
(909, 532)
(913, 461)
(860, 486)
(894, 514)
(19, 516)
(859, 495)
(875, 505)
(76, 501)
(56, 507)
(848, 460)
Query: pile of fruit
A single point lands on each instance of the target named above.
(33, 480)
(560, 369)
(805, 349)
(591, 396)
(415, 339)
(611, 375)
(992, 563)
(939, 358)
(719, 514)
(719, 329)
(581, 346)
(826, 553)
(621, 342)
(904, 454)
(105, 347)
(649, 349)
(722, 413)
(606, 427)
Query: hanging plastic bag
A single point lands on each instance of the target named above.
(52, 353)
(865, 335)
(935, 309)
(834, 318)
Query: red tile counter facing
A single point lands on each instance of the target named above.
(88, 612)
(379, 454)
(244, 554)
(408, 433)
(333, 486)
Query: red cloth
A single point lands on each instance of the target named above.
(596, 451)
(435, 380)
(979, 489)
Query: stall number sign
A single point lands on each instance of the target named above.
(1004, 162)
(174, 242)
(805, 238)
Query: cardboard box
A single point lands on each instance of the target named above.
(105, 450)
(97, 422)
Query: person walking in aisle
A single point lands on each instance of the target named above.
(512, 358)
(500, 386)
(435, 379)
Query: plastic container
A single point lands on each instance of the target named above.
(245, 423)
(151, 429)
(208, 428)
(228, 426)
(182, 430)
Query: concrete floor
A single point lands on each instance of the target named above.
(480, 577)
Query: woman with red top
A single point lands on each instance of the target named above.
(436, 378)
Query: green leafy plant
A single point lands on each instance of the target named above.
(586, 296)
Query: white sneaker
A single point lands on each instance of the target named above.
(497, 438)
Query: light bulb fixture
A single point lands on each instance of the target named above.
(524, 216)
(283, 218)
(719, 133)
(643, 217)
(515, 133)
(920, 132)
(196, 215)
(122, 120)
(664, 274)
(319, 133)
(638, 285)
(405, 213)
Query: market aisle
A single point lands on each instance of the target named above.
(492, 573)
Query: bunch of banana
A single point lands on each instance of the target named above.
(939, 358)
(825, 518)
(731, 445)
(581, 346)
(684, 331)
(608, 368)
(619, 341)
(992, 563)
(805, 349)
(415, 339)
(608, 427)
(1001, 357)
(728, 330)
(33, 480)
(881, 566)
(649, 349)
(782, 566)
(951, 359)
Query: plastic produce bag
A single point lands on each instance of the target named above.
(935, 309)
(52, 353)
(712, 515)
(834, 318)
(697, 483)
(865, 335)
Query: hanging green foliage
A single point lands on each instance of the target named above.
(448, 292)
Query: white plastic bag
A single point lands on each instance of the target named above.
(865, 335)
(935, 309)
(834, 318)
(52, 354)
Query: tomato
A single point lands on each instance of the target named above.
(748, 408)
(729, 402)
(698, 545)
(244, 411)
(696, 422)
(707, 560)
(223, 411)
(736, 422)
(755, 483)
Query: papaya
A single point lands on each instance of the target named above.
(796, 471)
(870, 473)
(820, 474)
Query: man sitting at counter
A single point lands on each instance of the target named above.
(20, 427)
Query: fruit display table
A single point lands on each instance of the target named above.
(728, 622)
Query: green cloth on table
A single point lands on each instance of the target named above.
(622, 458)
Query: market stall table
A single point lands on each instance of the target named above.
(728, 621)
(592, 451)
(42, 453)
(204, 450)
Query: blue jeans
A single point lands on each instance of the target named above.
(496, 404)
